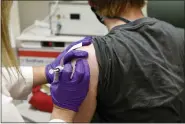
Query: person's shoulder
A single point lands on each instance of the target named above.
(93, 64)
(180, 31)
(91, 56)
(88, 107)
(168, 26)
(166, 29)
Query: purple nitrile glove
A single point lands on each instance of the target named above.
(85, 42)
(74, 54)
(64, 56)
(67, 92)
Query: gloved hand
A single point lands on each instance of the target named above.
(69, 92)
(63, 58)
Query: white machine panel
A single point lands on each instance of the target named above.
(77, 19)
(36, 56)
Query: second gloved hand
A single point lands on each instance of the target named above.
(67, 92)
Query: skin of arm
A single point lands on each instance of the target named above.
(63, 114)
(88, 106)
(39, 77)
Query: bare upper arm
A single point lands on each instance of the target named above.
(88, 107)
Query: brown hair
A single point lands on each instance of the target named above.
(113, 8)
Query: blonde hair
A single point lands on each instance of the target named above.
(8, 56)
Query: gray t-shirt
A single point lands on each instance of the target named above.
(141, 77)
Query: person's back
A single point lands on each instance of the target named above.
(141, 77)
(137, 69)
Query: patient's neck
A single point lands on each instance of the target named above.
(132, 14)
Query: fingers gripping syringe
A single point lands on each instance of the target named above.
(61, 66)
(56, 72)
(57, 69)
(70, 55)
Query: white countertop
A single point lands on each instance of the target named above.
(49, 38)
(33, 115)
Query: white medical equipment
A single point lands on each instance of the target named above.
(44, 22)
(76, 19)
(39, 46)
